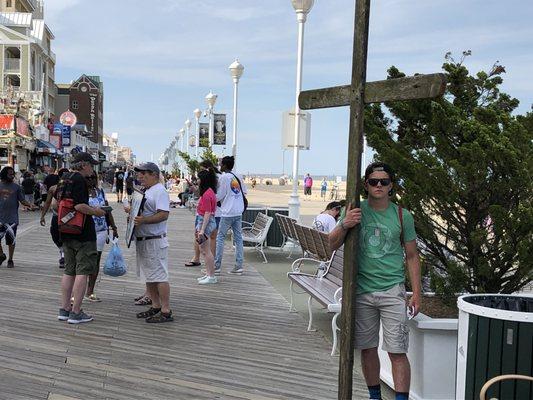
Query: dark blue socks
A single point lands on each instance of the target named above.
(402, 396)
(375, 392)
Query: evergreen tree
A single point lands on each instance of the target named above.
(465, 169)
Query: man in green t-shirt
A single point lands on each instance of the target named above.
(380, 293)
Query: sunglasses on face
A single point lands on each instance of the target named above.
(374, 182)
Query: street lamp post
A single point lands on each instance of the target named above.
(236, 69)
(197, 114)
(302, 8)
(187, 129)
(211, 99)
(182, 136)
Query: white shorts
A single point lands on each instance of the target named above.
(100, 240)
(152, 260)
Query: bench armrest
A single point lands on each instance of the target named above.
(246, 225)
(338, 296)
(296, 265)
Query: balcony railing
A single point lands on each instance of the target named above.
(12, 64)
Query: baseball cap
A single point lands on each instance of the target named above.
(148, 166)
(379, 166)
(82, 156)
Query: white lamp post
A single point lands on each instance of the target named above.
(187, 129)
(236, 69)
(182, 136)
(197, 114)
(302, 8)
(211, 99)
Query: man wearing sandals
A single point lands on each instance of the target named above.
(152, 244)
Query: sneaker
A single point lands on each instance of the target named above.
(236, 271)
(62, 262)
(201, 278)
(217, 271)
(79, 318)
(3, 257)
(208, 280)
(63, 314)
(10, 264)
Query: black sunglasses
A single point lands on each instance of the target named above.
(374, 182)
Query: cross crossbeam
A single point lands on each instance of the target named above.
(409, 88)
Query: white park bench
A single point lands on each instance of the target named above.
(257, 232)
(324, 285)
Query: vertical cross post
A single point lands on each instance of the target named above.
(355, 146)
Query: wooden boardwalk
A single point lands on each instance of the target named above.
(234, 340)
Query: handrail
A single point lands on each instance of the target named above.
(490, 382)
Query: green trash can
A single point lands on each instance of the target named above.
(275, 237)
(495, 338)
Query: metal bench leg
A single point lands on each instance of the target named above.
(263, 253)
(291, 307)
(310, 326)
(334, 329)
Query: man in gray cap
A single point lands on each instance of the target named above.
(80, 248)
(152, 244)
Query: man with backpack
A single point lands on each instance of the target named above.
(77, 231)
(387, 232)
(231, 196)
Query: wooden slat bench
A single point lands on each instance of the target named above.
(325, 285)
(286, 225)
(257, 232)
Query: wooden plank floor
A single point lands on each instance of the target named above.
(234, 340)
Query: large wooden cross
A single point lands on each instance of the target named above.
(356, 96)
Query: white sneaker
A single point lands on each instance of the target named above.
(208, 280)
(201, 278)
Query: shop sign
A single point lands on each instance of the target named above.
(65, 135)
(68, 118)
(6, 122)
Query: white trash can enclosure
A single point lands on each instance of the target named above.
(495, 337)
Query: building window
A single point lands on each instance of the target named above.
(8, 3)
(75, 104)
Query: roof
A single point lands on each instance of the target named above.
(16, 19)
(44, 145)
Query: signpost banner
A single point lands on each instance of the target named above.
(204, 134)
(220, 129)
(65, 135)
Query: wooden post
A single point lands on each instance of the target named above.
(355, 145)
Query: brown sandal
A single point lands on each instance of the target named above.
(160, 317)
(149, 313)
(144, 301)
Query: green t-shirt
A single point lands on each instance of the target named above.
(381, 255)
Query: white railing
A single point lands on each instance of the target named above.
(12, 64)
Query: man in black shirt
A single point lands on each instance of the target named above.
(119, 184)
(28, 185)
(80, 249)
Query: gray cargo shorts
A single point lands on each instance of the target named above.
(389, 307)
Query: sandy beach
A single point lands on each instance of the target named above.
(278, 196)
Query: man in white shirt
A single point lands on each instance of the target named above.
(327, 219)
(152, 244)
(230, 194)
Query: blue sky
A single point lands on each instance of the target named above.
(159, 58)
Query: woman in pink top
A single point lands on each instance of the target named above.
(206, 224)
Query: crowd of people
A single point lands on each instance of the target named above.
(81, 220)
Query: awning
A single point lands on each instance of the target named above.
(45, 147)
